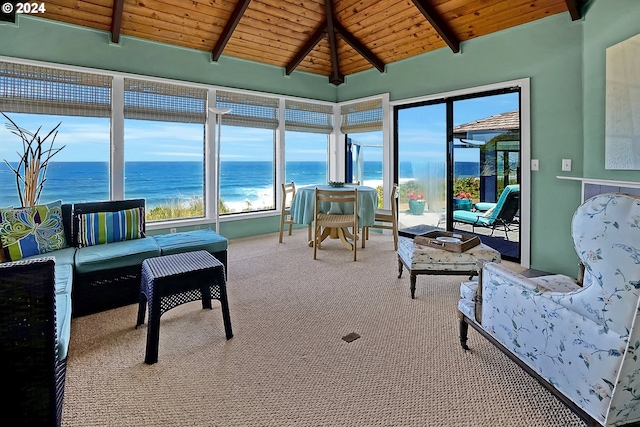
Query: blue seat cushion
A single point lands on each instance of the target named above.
(64, 279)
(115, 255)
(63, 284)
(187, 241)
(63, 322)
(62, 256)
(471, 217)
(484, 206)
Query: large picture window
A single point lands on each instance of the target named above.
(247, 151)
(307, 129)
(42, 97)
(362, 123)
(164, 148)
(164, 164)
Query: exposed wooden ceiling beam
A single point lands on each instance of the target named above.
(439, 24)
(308, 47)
(116, 20)
(359, 47)
(336, 78)
(574, 9)
(231, 25)
(332, 28)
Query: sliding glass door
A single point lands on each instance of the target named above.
(455, 156)
(421, 167)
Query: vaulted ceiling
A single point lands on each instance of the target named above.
(332, 38)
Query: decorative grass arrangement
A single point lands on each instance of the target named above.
(31, 171)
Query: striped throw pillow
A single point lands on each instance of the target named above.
(107, 227)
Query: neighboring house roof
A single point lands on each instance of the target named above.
(504, 121)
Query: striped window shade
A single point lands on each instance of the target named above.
(147, 100)
(42, 90)
(248, 110)
(363, 116)
(308, 117)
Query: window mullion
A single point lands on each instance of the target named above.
(116, 176)
(280, 153)
(210, 170)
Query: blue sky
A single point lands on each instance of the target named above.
(422, 130)
(87, 139)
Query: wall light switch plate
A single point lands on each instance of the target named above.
(535, 165)
(566, 165)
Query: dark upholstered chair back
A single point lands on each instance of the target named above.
(67, 211)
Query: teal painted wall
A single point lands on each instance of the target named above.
(608, 23)
(549, 52)
(46, 40)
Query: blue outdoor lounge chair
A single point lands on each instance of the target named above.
(500, 214)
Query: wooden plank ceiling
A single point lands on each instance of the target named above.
(332, 38)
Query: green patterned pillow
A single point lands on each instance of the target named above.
(107, 227)
(32, 230)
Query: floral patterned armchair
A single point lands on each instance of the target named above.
(582, 343)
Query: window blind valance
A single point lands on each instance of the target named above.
(364, 116)
(43, 90)
(146, 100)
(308, 117)
(248, 110)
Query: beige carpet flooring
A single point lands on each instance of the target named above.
(287, 364)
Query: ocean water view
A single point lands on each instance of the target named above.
(161, 183)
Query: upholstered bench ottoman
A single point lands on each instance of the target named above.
(197, 240)
(421, 259)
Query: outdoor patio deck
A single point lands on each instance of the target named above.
(508, 248)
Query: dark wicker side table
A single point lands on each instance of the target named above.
(171, 280)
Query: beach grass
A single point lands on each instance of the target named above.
(177, 208)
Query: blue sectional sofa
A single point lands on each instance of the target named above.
(41, 293)
(107, 276)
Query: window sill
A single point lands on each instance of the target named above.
(190, 222)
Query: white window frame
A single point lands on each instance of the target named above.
(116, 158)
(387, 147)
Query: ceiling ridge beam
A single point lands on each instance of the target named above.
(116, 20)
(438, 24)
(359, 47)
(574, 9)
(308, 47)
(231, 25)
(336, 78)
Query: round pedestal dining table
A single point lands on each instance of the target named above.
(303, 205)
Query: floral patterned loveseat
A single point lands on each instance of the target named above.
(582, 343)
